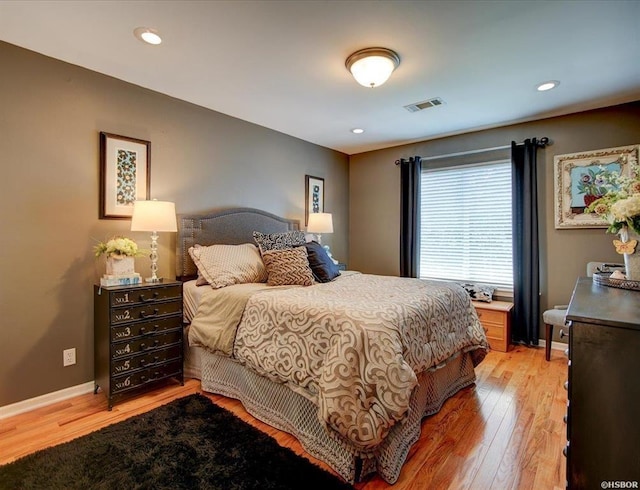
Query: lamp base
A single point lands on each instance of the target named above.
(154, 260)
(328, 250)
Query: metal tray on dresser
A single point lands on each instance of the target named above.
(138, 337)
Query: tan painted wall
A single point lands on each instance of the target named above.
(50, 116)
(375, 193)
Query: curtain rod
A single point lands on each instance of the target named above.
(542, 142)
(468, 152)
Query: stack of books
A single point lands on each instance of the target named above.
(120, 279)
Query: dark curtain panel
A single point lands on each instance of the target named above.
(526, 277)
(410, 215)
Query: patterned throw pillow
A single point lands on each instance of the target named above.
(323, 268)
(225, 265)
(479, 293)
(288, 266)
(279, 241)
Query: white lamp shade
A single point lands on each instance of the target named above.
(154, 216)
(320, 223)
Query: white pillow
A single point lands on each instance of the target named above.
(225, 265)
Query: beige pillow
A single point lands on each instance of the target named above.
(289, 266)
(225, 265)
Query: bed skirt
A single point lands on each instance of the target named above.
(278, 406)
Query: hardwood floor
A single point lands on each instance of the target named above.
(504, 432)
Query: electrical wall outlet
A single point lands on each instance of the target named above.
(68, 357)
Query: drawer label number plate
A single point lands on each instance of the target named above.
(122, 299)
(125, 315)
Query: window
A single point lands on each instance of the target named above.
(465, 224)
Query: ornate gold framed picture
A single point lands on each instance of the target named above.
(579, 180)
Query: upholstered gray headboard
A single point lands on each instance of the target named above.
(227, 227)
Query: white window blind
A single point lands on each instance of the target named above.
(465, 224)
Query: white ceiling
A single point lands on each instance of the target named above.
(280, 64)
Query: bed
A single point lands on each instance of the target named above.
(334, 371)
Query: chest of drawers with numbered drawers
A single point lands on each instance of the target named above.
(137, 337)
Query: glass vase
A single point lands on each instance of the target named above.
(631, 260)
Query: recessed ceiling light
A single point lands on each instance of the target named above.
(357, 130)
(149, 36)
(543, 87)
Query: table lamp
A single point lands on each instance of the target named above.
(154, 216)
(318, 224)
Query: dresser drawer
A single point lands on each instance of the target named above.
(133, 296)
(146, 360)
(132, 330)
(144, 312)
(494, 332)
(143, 344)
(144, 376)
(491, 316)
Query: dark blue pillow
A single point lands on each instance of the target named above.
(323, 268)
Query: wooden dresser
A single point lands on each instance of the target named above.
(496, 321)
(137, 337)
(603, 417)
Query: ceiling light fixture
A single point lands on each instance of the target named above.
(357, 130)
(371, 67)
(543, 87)
(149, 36)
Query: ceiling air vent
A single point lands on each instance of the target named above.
(418, 106)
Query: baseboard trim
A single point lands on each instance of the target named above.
(44, 400)
(554, 345)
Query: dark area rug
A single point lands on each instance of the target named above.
(188, 443)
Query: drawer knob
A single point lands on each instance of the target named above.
(563, 334)
(566, 385)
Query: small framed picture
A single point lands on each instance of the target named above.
(314, 196)
(124, 174)
(579, 179)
